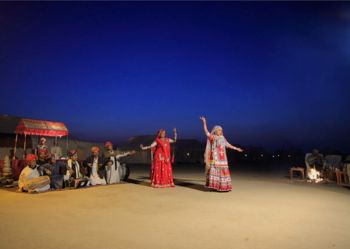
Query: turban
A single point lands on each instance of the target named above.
(30, 157)
(72, 153)
(95, 149)
(108, 143)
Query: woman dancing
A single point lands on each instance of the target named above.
(216, 166)
(161, 172)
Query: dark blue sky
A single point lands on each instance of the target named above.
(272, 74)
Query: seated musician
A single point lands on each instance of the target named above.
(30, 179)
(75, 175)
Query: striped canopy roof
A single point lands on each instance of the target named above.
(41, 128)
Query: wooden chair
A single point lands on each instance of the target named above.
(342, 177)
(301, 170)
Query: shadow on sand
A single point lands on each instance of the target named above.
(187, 183)
(139, 181)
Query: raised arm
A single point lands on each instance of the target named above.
(148, 147)
(204, 121)
(124, 154)
(228, 145)
(175, 137)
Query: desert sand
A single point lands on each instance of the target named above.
(262, 211)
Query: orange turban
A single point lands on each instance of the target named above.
(95, 149)
(108, 143)
(72, 153)
(30, 157)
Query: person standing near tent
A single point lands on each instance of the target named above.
(56, 150)
(217, 171)
(114, 171)
(161, 171)
(30, 179)
(95, 167)
(42, 147)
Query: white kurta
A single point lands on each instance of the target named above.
(94, 177)
(113, 172)
(29, 174)
(70, 167)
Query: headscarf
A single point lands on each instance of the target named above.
(157, 137)
(208, 148)
(171, 155)
(159, 132)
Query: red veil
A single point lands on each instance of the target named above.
(166, 151)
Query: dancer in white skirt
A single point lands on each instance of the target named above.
(114, 171)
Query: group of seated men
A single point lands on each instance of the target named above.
(43, 172)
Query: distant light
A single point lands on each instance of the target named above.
(262, 155)
(273, 156)
(246, 155)
(278, 155)
(289, 156)
(188, 153)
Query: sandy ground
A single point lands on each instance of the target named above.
(261, 212)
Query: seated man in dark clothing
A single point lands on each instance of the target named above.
(55, 171)
(75, 175)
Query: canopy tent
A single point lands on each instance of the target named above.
(39, 128)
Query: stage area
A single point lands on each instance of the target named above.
(262, 211)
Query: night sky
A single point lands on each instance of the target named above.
(272, 74)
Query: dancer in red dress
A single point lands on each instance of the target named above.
(161, 171)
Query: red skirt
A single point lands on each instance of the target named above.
(161, 174)
(219, 178)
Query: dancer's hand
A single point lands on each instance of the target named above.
(203, 119)
(174, 130)
(239, 149)
(132, 152)
(142, 147)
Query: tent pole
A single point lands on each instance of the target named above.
(67, 145)
(14, 149)
(25, 144)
